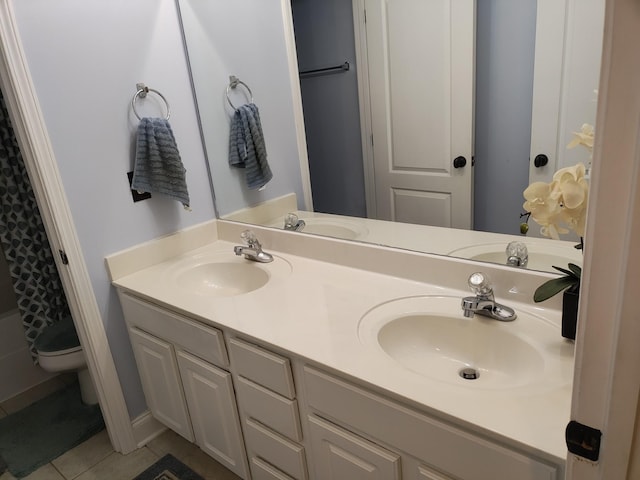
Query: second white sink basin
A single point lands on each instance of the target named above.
(543, 254)
(224, 274)
(431, 337)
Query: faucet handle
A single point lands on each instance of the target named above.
(517, 254)
(480, 284)
(290, 220)
(250, 238)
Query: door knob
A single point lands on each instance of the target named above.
(540, 160)
(459, 162)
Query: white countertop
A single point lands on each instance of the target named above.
(312, 309)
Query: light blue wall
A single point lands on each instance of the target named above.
(504, 90)
(86, 57)
(246, 39)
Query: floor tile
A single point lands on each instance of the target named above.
(84, 456)
(206, 466)
(34, 394)
(171, 442)
(7, 476)
(121, 467)
(46, 472)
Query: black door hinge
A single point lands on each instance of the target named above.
(583, 440)
(63, 256)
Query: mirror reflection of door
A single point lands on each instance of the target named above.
(415, 81)
(421, 75)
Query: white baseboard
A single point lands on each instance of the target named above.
(146, 428)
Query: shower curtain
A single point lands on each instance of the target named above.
(36, 283)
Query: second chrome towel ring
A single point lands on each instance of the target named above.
(233, 83)
(142, 93)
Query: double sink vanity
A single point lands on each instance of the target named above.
(345, 361)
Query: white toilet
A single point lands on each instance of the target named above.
(59, 350)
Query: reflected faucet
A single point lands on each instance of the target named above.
(252, 250)
(484, 302)
(517, 254)
(291, 222)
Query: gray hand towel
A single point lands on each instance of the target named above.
(246, 146)
(158, 167)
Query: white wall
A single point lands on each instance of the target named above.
(86, 57)
(245, 39)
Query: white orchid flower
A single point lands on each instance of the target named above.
(561, 202)
(584, 137)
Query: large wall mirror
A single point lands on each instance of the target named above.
(410, 123)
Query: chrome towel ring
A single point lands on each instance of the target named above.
(233, 83)
(142, 93)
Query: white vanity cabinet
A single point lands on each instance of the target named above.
(182, 369)
(239, 402)
(357, 430)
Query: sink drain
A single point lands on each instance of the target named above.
(469, 373)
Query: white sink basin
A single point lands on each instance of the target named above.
(224, 274)
(430, 337)
(543, 254)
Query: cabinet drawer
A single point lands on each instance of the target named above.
(430, 440)
(268, 408)
(261, 366)
(342, 455)
(263, 471)
(275, 449)
(203, 341)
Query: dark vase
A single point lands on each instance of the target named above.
(570, 300)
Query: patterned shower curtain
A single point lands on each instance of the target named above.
(36, 282)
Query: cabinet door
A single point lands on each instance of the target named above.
(339, 454)
(211, 401)
(161, 382)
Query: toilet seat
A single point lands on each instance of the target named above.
(70, 359)
(59, 348)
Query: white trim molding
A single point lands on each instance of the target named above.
(606, 381)
(41, 165)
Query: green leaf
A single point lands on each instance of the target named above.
(552, 287)
(577, 271)
(568, 273)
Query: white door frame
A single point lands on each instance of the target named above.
(364, 102)
(37, 152)
(606, 382)
(296, 95)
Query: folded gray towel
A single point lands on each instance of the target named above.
(246, 146)
(158, 168)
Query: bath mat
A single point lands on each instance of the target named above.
(46, 429)
(168, 468)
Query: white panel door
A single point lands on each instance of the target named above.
(420, 56)
(216, 425)
(341, 455)
(565, 80)
(161, 381)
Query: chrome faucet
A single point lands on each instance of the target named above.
(484, 302)
(291, 222)
(252, 250)
(517, 254)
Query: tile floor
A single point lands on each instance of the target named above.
(95, 459)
